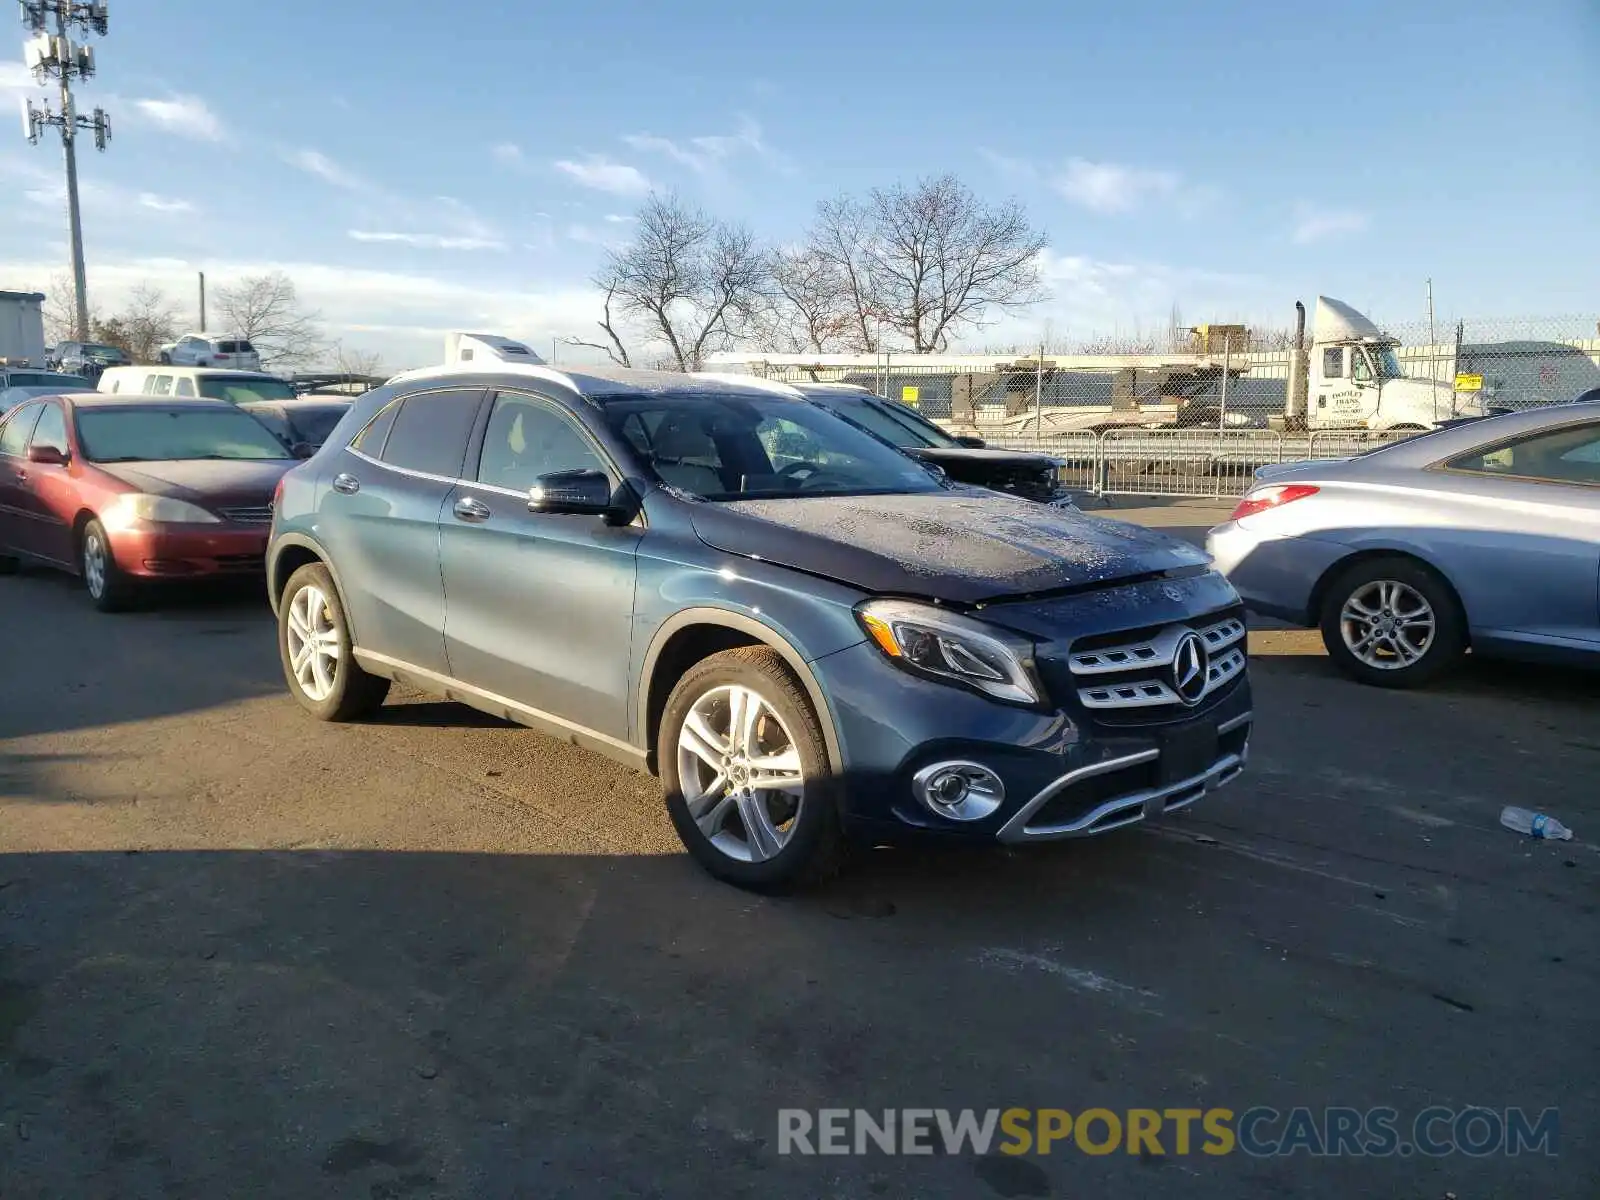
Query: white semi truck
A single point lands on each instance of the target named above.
(21, 329)
(1353, 379)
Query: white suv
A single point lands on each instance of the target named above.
(198, 350)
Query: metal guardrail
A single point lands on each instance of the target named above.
(1200, 463)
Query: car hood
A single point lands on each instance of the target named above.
(957, 544)
(1006, 459)
(234, 483)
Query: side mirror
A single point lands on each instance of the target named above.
(303, 450)
(571, 493)
(47, 455)
(970, 442)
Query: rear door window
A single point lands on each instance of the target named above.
(430, 432)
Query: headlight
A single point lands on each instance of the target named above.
(127, 510)
(952, 649)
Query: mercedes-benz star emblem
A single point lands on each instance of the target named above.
(1191, 668)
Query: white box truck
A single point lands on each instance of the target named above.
(21, 329)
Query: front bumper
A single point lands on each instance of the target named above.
(1064, 774)
(177, 551)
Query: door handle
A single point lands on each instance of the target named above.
(468, 509)
(348, 484)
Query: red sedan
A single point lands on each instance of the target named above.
(122, 490)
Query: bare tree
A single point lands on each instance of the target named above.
(840, 241)
(60, 321)
(697, 283)
(265, 310)
(941, 259)
(356, 362)
(613, 347)
(811, 304)
(147, 321)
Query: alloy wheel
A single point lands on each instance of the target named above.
(94, 565)
(313, 643)
(1388, 625)
(740, 773)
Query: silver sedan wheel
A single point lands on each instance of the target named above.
(740, 773)
(94, 565)
(1387, 625)
(313, 639)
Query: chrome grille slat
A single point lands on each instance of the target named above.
(254, 515)
(1091, 668)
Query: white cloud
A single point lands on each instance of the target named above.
(1113, 187)
(1016, 169)
(428, 241)
(604, 175)
(709, 153)
(164, 204)
(1313, 224)
(186, 116)
(401, 315)
(614, 218)
(586, 235)
(314, 162)
(508, 153)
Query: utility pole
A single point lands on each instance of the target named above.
(55, 56)
(202, 301)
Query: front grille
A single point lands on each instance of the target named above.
(1133, 673)
(248, 516)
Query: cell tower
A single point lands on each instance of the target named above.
(54, 57)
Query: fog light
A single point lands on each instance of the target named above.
(961, 791)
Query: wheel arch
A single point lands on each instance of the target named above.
(289, 553)
(691, 636)
(1319, 590)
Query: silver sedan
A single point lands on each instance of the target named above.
(1481, 537)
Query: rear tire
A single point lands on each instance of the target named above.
(110, 590)
(1392, 622)
(764, 839)
(315, 649)
(164, 359)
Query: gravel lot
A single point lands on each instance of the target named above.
(242, 953)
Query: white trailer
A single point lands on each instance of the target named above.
(22, 329)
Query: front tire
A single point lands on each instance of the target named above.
(109, 589)
(315, 649)
(165, 359)
(745, 769)
(1392, 622)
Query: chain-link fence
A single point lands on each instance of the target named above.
(1430, 371)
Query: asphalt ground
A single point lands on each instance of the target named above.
(434, 955)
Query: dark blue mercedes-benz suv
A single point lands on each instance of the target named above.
(811, 638)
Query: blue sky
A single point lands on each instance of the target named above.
(428, 171)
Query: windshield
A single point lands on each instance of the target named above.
(44, 379)
(164, 434)
(891, 422)
(1387, 363)
(236, 389)
(744, 448)
(99, 349)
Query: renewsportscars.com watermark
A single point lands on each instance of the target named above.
(1260, 1132)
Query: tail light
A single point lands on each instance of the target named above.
(1277, 496)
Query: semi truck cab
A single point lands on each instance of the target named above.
(1356, 381)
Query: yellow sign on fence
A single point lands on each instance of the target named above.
(910, 395)
(1469, 383)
